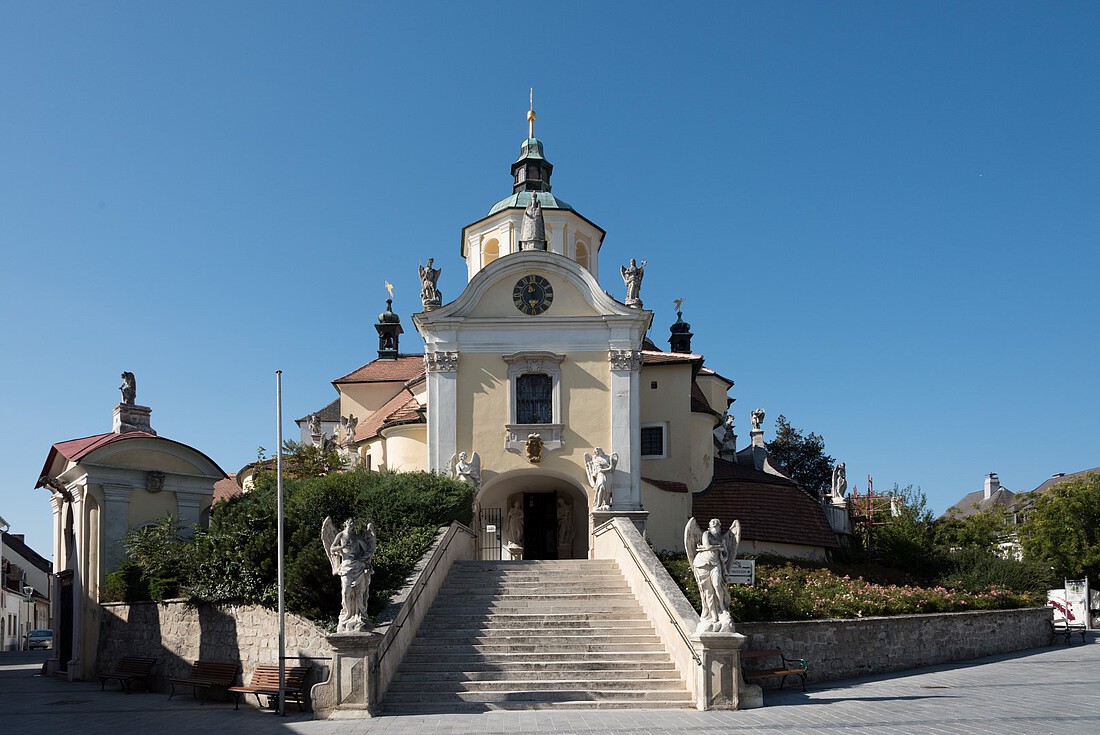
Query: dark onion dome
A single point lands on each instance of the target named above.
(387, 316)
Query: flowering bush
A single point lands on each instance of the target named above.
(791, 592)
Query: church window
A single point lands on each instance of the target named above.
(534, 399)
(582, 253)
(490, 252)
(653, 441)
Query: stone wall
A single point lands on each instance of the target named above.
(842, 649)
(178, 635)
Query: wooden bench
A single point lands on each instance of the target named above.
(790, 667)
(265, 680)
(129, 670)
(1064, 628)
(206, 675)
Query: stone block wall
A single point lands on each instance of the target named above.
(842, 649)
(178, 634)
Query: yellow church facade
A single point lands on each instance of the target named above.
(536, 376)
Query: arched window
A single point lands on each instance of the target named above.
(534, 399)
(490, 252)
(582, 254)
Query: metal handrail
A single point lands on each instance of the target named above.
(672, 618)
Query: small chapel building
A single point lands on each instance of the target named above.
(101, 487)
(551, 397)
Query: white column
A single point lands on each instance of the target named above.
(626, 492)
(79, 555)
(442, 370)
(117, 523)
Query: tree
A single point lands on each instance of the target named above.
(1062, 527)
(983, 529)
(801, 458)
(906, 538)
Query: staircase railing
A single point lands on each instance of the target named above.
(670, 612)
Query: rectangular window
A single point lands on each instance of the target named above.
(653, 441)
(534, 399)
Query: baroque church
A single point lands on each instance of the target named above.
(555, 401)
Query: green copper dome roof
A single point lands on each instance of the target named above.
(523, 198)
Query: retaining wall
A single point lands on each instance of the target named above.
(178, 634)
(842, 649)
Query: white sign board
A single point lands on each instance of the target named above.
(490, 528)
(1071, 602)
(741, 571)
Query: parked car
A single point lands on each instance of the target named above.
(40, 638)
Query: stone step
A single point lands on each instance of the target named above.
(473, 658)
(444, 642)
(446, 618)
(445, 687)
(591, 664)
(488, 597)
(460, 649)
(544, 695)
(589, 671)
(641, 628)
(433, 708)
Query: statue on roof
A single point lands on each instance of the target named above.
(532, 233)
(347, 429)
(632, 277)
(430, 296)
(840, 481)
(757, 419)
(314, 425)
(710, 554)
(129, 389)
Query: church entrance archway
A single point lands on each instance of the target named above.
(533, 515)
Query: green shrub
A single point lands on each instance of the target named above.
(126, 584)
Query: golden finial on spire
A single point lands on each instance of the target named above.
(389, 287)
(531, 116)
(677, 302)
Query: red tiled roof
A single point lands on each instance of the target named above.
(75, 450)
(404, 368)
(769, 508)
(699, 403)
(401, 409)
(667, 485)
(708, 371)
(667, 358)
(226, 489)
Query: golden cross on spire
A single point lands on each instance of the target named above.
(389, 287)
(531, 116)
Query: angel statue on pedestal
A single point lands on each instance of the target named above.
(350, 554)
(466, 469)
(599, 466)
(710, 553)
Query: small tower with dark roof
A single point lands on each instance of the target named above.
(680, 337)
(389, 332)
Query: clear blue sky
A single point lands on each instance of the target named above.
(884, 217)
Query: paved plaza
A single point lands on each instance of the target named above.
(1043, 690)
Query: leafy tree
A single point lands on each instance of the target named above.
(310, 460)
(1062, 527)
(906, 538)
(982, 530)
(801, 457)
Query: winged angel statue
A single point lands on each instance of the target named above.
(467, 469)
(350, 554)
(710, 553)
(599, 467)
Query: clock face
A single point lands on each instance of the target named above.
(533, 294)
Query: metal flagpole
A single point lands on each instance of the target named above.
(279, 521)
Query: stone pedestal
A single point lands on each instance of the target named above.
(720, 685)
(515, 553)
(352, 685)
(131, 417)
(600, 517)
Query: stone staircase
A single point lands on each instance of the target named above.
(535, 635)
